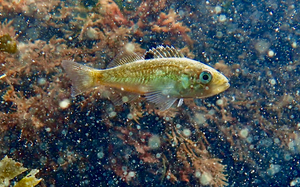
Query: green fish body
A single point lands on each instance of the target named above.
(163, 79)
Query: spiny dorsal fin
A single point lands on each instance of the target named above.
(163, 52)
(123, 58)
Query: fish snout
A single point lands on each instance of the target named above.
(222, 84)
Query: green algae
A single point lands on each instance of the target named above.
(9, 169)
(7, 44)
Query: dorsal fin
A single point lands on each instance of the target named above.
(123, 58)
(163, 52)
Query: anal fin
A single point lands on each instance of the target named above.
(119, 97)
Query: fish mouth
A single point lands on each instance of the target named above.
(217, 89)
(222, 88)
(226, 86)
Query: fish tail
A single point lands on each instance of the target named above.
(83, 77)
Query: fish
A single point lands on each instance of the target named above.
(163, 76)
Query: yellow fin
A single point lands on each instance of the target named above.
(163, 52)
(82, 77)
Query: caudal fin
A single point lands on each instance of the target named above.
(82, 77)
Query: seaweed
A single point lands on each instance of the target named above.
(7, 44)
(9, 169)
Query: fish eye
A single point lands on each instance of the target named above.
(205, 77)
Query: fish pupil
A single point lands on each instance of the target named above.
(205, 77)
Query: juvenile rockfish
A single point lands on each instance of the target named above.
(164, 78)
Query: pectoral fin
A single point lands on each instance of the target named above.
(162, 93)
(161, 101)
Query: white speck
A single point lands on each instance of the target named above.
(130, 47)
(199, 118)
(180, 102)
(131, 174)
(294, 45)
(197, 174)
(64, 104)
(222, 18)
(125, 99)
(186, 132)
(205, 178)
(6, 182)
(295, 181)
(219, 102)
(41, 81)
(272, 81)
(219, 34)
(2, 76)
(48, 129)
(100, 155)
(130, 116)
(271, 53)
(91, 33)
(218, 9)
(244, 133)
(154, 142)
